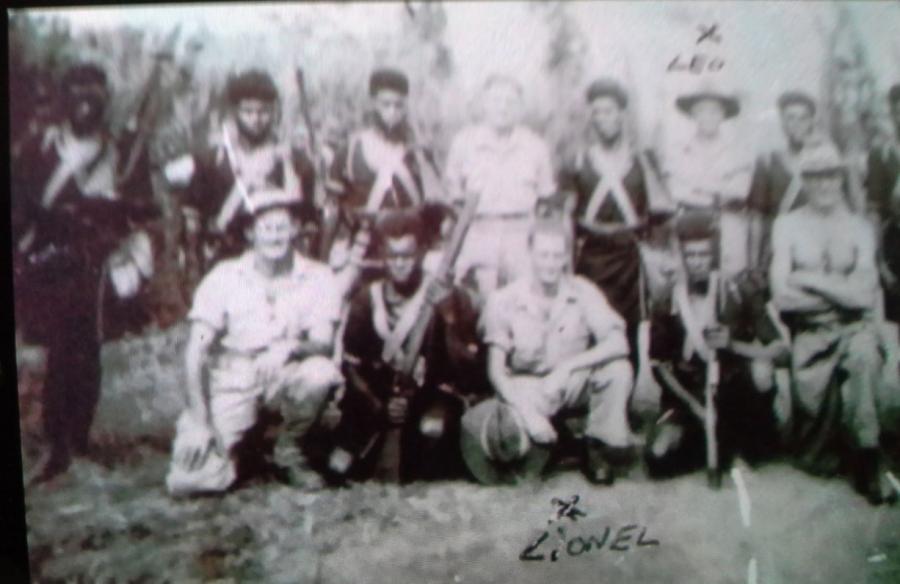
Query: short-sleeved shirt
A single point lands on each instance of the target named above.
(535, 343)
(252, 311)
(510, 174)
(725, 165)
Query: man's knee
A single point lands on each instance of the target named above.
(863, 354)
(616, 377)
(216, 473)
(312, 379)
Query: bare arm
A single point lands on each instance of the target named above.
(855, 290)
(785, 295)
(498, 374)
(201, 338)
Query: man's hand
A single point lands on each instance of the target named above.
(270, 363)
(538, 427)
(397, 407)
(553, 388)
(193, 452)
(717, 337)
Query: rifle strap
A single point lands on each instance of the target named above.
(693, 325)
(238, 192)
(389, 162)
(394, 337)
(610, 184)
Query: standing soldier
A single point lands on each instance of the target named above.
(262, 333)
(777, 181)
(427, 408)
(509, 167)
(611, 209)
(712, 170)
(555, 348)
(380, 168)
(77, 218)
(825, 282)
(883, 185)
(250, 157)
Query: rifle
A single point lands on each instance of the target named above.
(148, 108)
(404, 385)
(330, 213)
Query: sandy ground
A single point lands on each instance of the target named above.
(110, 521)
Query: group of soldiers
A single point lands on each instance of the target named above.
(373, 313)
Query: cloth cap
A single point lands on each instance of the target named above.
(390, 79)
(607, 87)
(793, 97)
(824, 162)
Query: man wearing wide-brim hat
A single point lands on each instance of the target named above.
(825, 283)
(713, 170)
(262, 330)
(555, 349)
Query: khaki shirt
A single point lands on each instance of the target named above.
(535, 343)
(510, 174)
(252, 311)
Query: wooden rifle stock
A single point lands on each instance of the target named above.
(148, 108)
(403, 381)
(330, 215)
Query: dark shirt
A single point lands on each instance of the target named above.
(352, 173)
(90, 225)
(212, 182)
(883, 173)
(580, 177)
(742, 310)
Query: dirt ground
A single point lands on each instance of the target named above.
(110, 520)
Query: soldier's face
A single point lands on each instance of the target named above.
(698, 259)
(255, 118)
(390, 107)
(401, 258)
(272, 232)
(797, 122)
(549, 256)
(606, 117)
(85, 108)
(824, 192)
(502, 106)
(708, 115)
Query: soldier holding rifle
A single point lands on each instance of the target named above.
(381, 167)
(77, 221)
(250, 156)
(716, 338)
(398, 423)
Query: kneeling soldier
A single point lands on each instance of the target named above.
(396, 426)
(262, 328)
(726, 324)
(555, 347)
